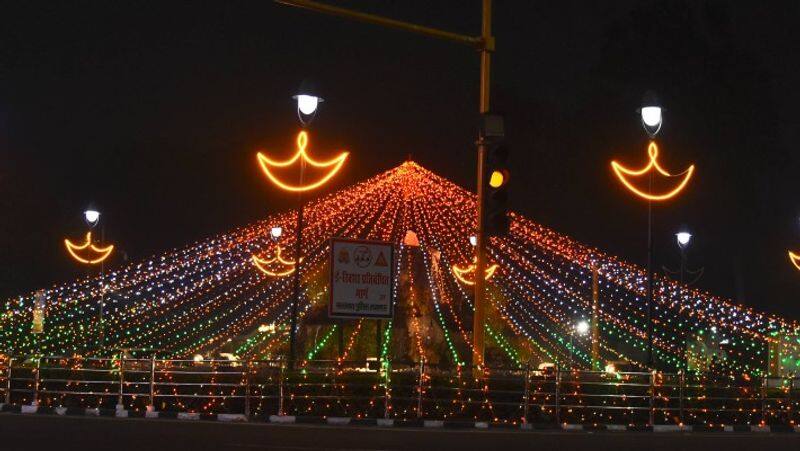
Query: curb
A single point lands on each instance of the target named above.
(282, 419)
(392, 423)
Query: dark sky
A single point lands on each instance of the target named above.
(154, 110)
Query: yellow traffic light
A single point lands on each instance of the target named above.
(497, 179)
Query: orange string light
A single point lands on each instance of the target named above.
(335, 164)
(795, 259)
(622, 172)
(460, 272)
(102, 253)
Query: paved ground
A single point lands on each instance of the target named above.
(39, 432)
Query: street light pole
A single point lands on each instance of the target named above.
(650, 278)
(92, 218)
(298, 267)
(651, 117)
(479, 316)
(101, 309)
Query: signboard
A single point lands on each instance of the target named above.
(362, 279)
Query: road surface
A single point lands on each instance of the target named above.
(44, 432)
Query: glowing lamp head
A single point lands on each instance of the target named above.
(276, 232)
(198, 358)
(651, 116)
(307, 104)
(473, 240)
(683, 239)
(497, 179)
(651, 113)
(91, 216)
(307, 101)
(582, 327)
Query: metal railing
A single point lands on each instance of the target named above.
(400, 390)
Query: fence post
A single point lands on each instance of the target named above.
(789, 418)
(8, 379)
(247, 389)
(419, 387)
(385, 369)
(558, 395)
(526, 406)
(120, 399)
(681, 384)
(152, 406)
(651, 418)
(280, 390)
(764, 382)
(35, 401)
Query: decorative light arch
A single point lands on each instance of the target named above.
(94, 256)
(334, 165)
(263, 265)
(795, 259)
(461, 272)
(622, 173)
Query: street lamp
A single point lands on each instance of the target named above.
(651, 114)
(92, 217)
(307, 102)
(276, 233)
(683, 239)
(473, 240)
(581, 328)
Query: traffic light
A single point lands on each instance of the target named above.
(496, 178)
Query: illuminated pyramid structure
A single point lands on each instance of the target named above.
(209, 296)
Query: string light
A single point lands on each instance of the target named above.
(205, 298)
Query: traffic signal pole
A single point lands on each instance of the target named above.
(485, 45)
(479, 316)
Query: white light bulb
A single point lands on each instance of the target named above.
(91, 216)
(582, 328)
(651, 115)
(473, 240)
(307, 104)
(683, 238)
(276, 232)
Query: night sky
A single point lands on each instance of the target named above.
(153, 111)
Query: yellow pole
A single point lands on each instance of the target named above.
(479, 317)
(383, 21)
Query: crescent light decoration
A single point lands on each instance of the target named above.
(461, 273)
(264, 265)
(333, 165)
(87, 252)
(795, 259)
(623, 173)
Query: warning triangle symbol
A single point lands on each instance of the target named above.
(381, 260)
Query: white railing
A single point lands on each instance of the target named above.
(401, 390)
